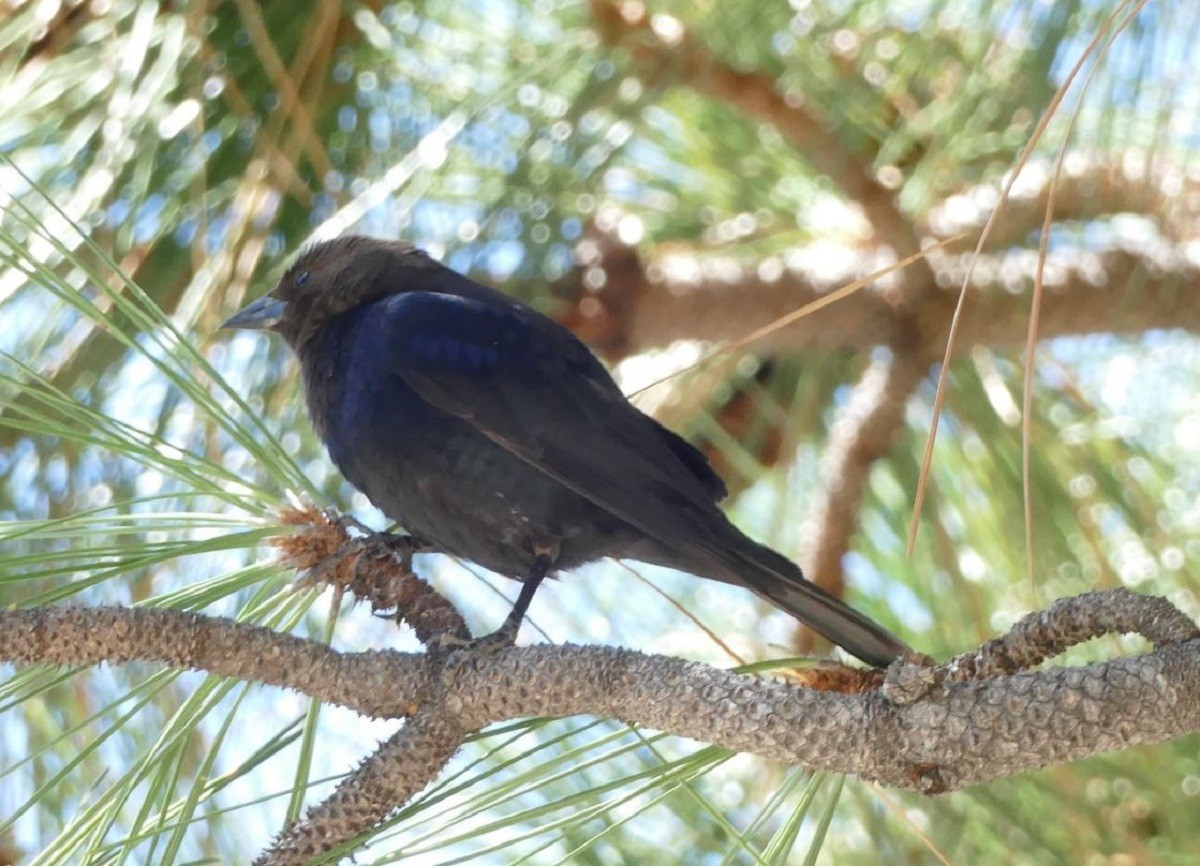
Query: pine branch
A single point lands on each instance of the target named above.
(929, 729)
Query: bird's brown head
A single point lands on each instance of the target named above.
(330, 278)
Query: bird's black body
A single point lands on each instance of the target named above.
(492, 433)
(433, 472)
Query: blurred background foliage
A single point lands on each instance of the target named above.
(664, 177)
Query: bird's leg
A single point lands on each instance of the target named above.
(506, 635)
(512, 623)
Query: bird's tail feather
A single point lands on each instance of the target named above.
(734, 558)
(780, 581)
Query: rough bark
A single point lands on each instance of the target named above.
(930, 729)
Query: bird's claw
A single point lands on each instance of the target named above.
(501, 639)
(345, 564)
(345, 522)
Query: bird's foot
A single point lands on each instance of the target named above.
(501, 639)
(506, 636)
(332, 549)
(345, 522)
(373, 541)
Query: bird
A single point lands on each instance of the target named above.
(492, 433)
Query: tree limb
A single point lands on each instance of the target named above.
(1089, 188)
(398, 770)
(928, 729)
(717, 299)
(192, 641)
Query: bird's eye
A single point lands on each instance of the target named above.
(301, 279)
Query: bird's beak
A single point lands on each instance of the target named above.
(262, 314)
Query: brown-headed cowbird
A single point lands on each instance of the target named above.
(492, 433)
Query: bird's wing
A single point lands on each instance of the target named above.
(533, 388)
